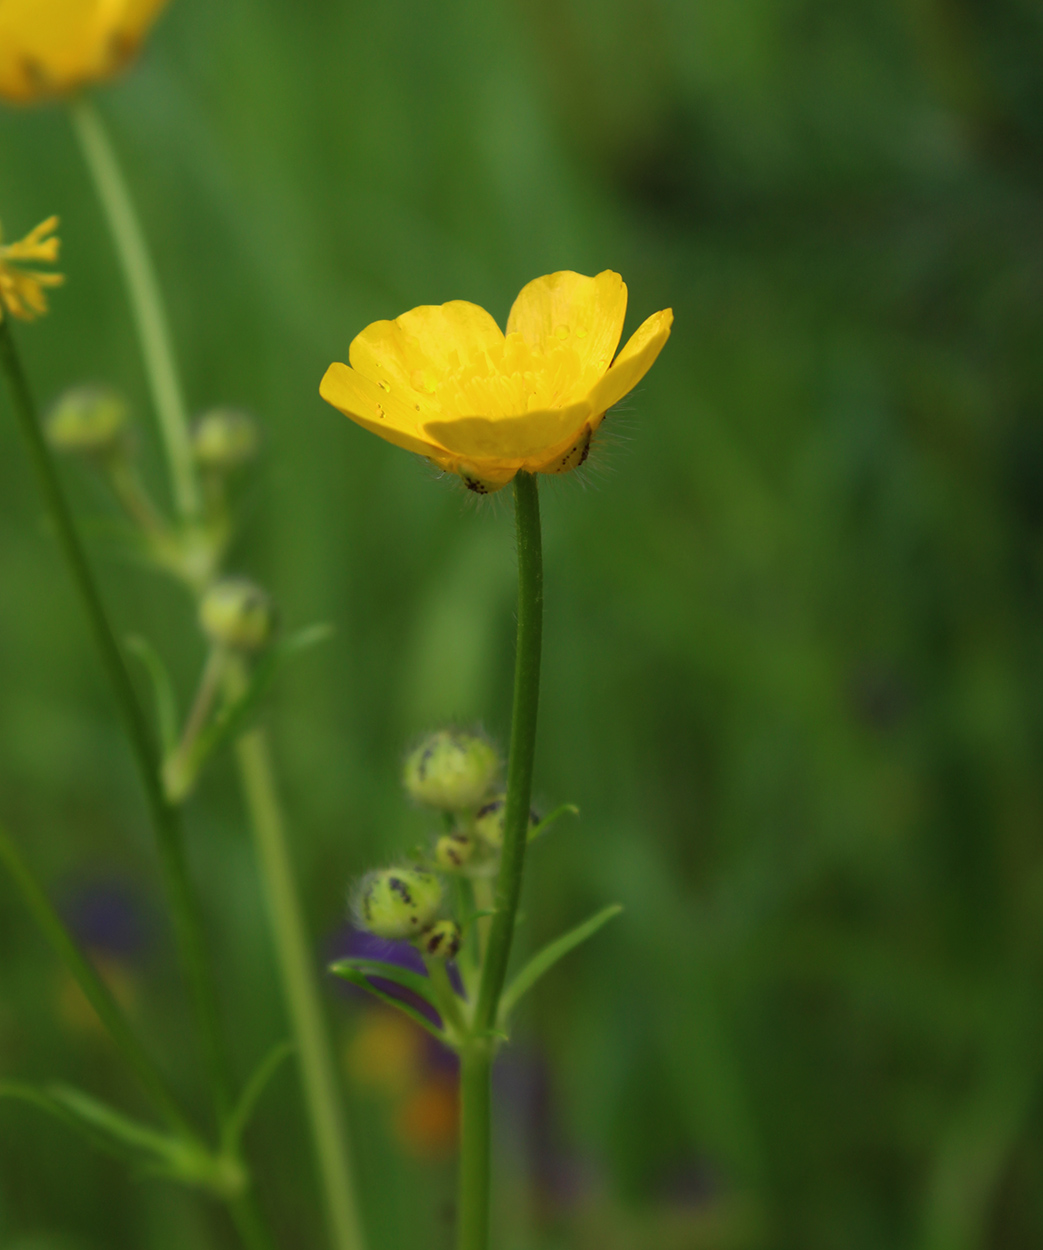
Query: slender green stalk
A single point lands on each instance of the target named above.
(321, 1092)
(150, 315)
(450, 1007)
(475, 1145)
(523, 747)
(477, 1054)
(255, 771)
(166, 819)
(249, 1224)
(97, 993)
(188, 927)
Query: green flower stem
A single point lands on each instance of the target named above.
(146, 300)
(523, 747)
(129, 490)
(476, 1061)
(94, 988)
(477, 1054)
(209, 685)
(321, 1092)
(166, 819)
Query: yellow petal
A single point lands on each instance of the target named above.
(51, 47)
(633, 362)
(569, 308)
(416, 352)
(515, 438)
(374, 409)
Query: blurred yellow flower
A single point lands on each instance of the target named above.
(53, 47)
(21, 290)
(444, 381)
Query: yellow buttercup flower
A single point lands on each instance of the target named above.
(22, 290)
(52, 48)
(446, 382)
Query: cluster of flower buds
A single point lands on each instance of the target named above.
(93, 422)
(456, 773)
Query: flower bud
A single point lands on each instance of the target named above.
(236, 613)
(451, 770)
(398, 902)
(453, 850)
(224, 438)
(488, 821)
(86, 419)
(441, 941)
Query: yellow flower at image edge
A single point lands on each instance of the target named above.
(22, 290)
(446, 382)
(51, 48)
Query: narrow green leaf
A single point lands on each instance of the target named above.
(17, 1090)
(162, 690)
(348, 972)
(566, 809)
(545, 959)
(235, 717)
(114, 1124)
(97, 993)
(416, 982)
(175, 1156)
(252, 1091)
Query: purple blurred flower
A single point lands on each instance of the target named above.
(106, 916)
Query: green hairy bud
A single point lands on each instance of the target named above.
(442, 940)
(398, 902)
(224, 438)
(236, 613)
(451, 770)
(453, 850)
(488, 821)
(86, 419)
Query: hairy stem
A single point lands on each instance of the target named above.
(476, 1057)
(523, 747)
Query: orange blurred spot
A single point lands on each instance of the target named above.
(426, 1123)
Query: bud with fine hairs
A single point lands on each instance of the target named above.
(451, 770)
(238, 614)
(488, 821)
(397, 902)
(441, 941)
(453, 850)
(87, 420)
(224, 438)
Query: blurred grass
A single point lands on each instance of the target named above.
(794, 666)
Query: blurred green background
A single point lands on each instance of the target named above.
(794, 673)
